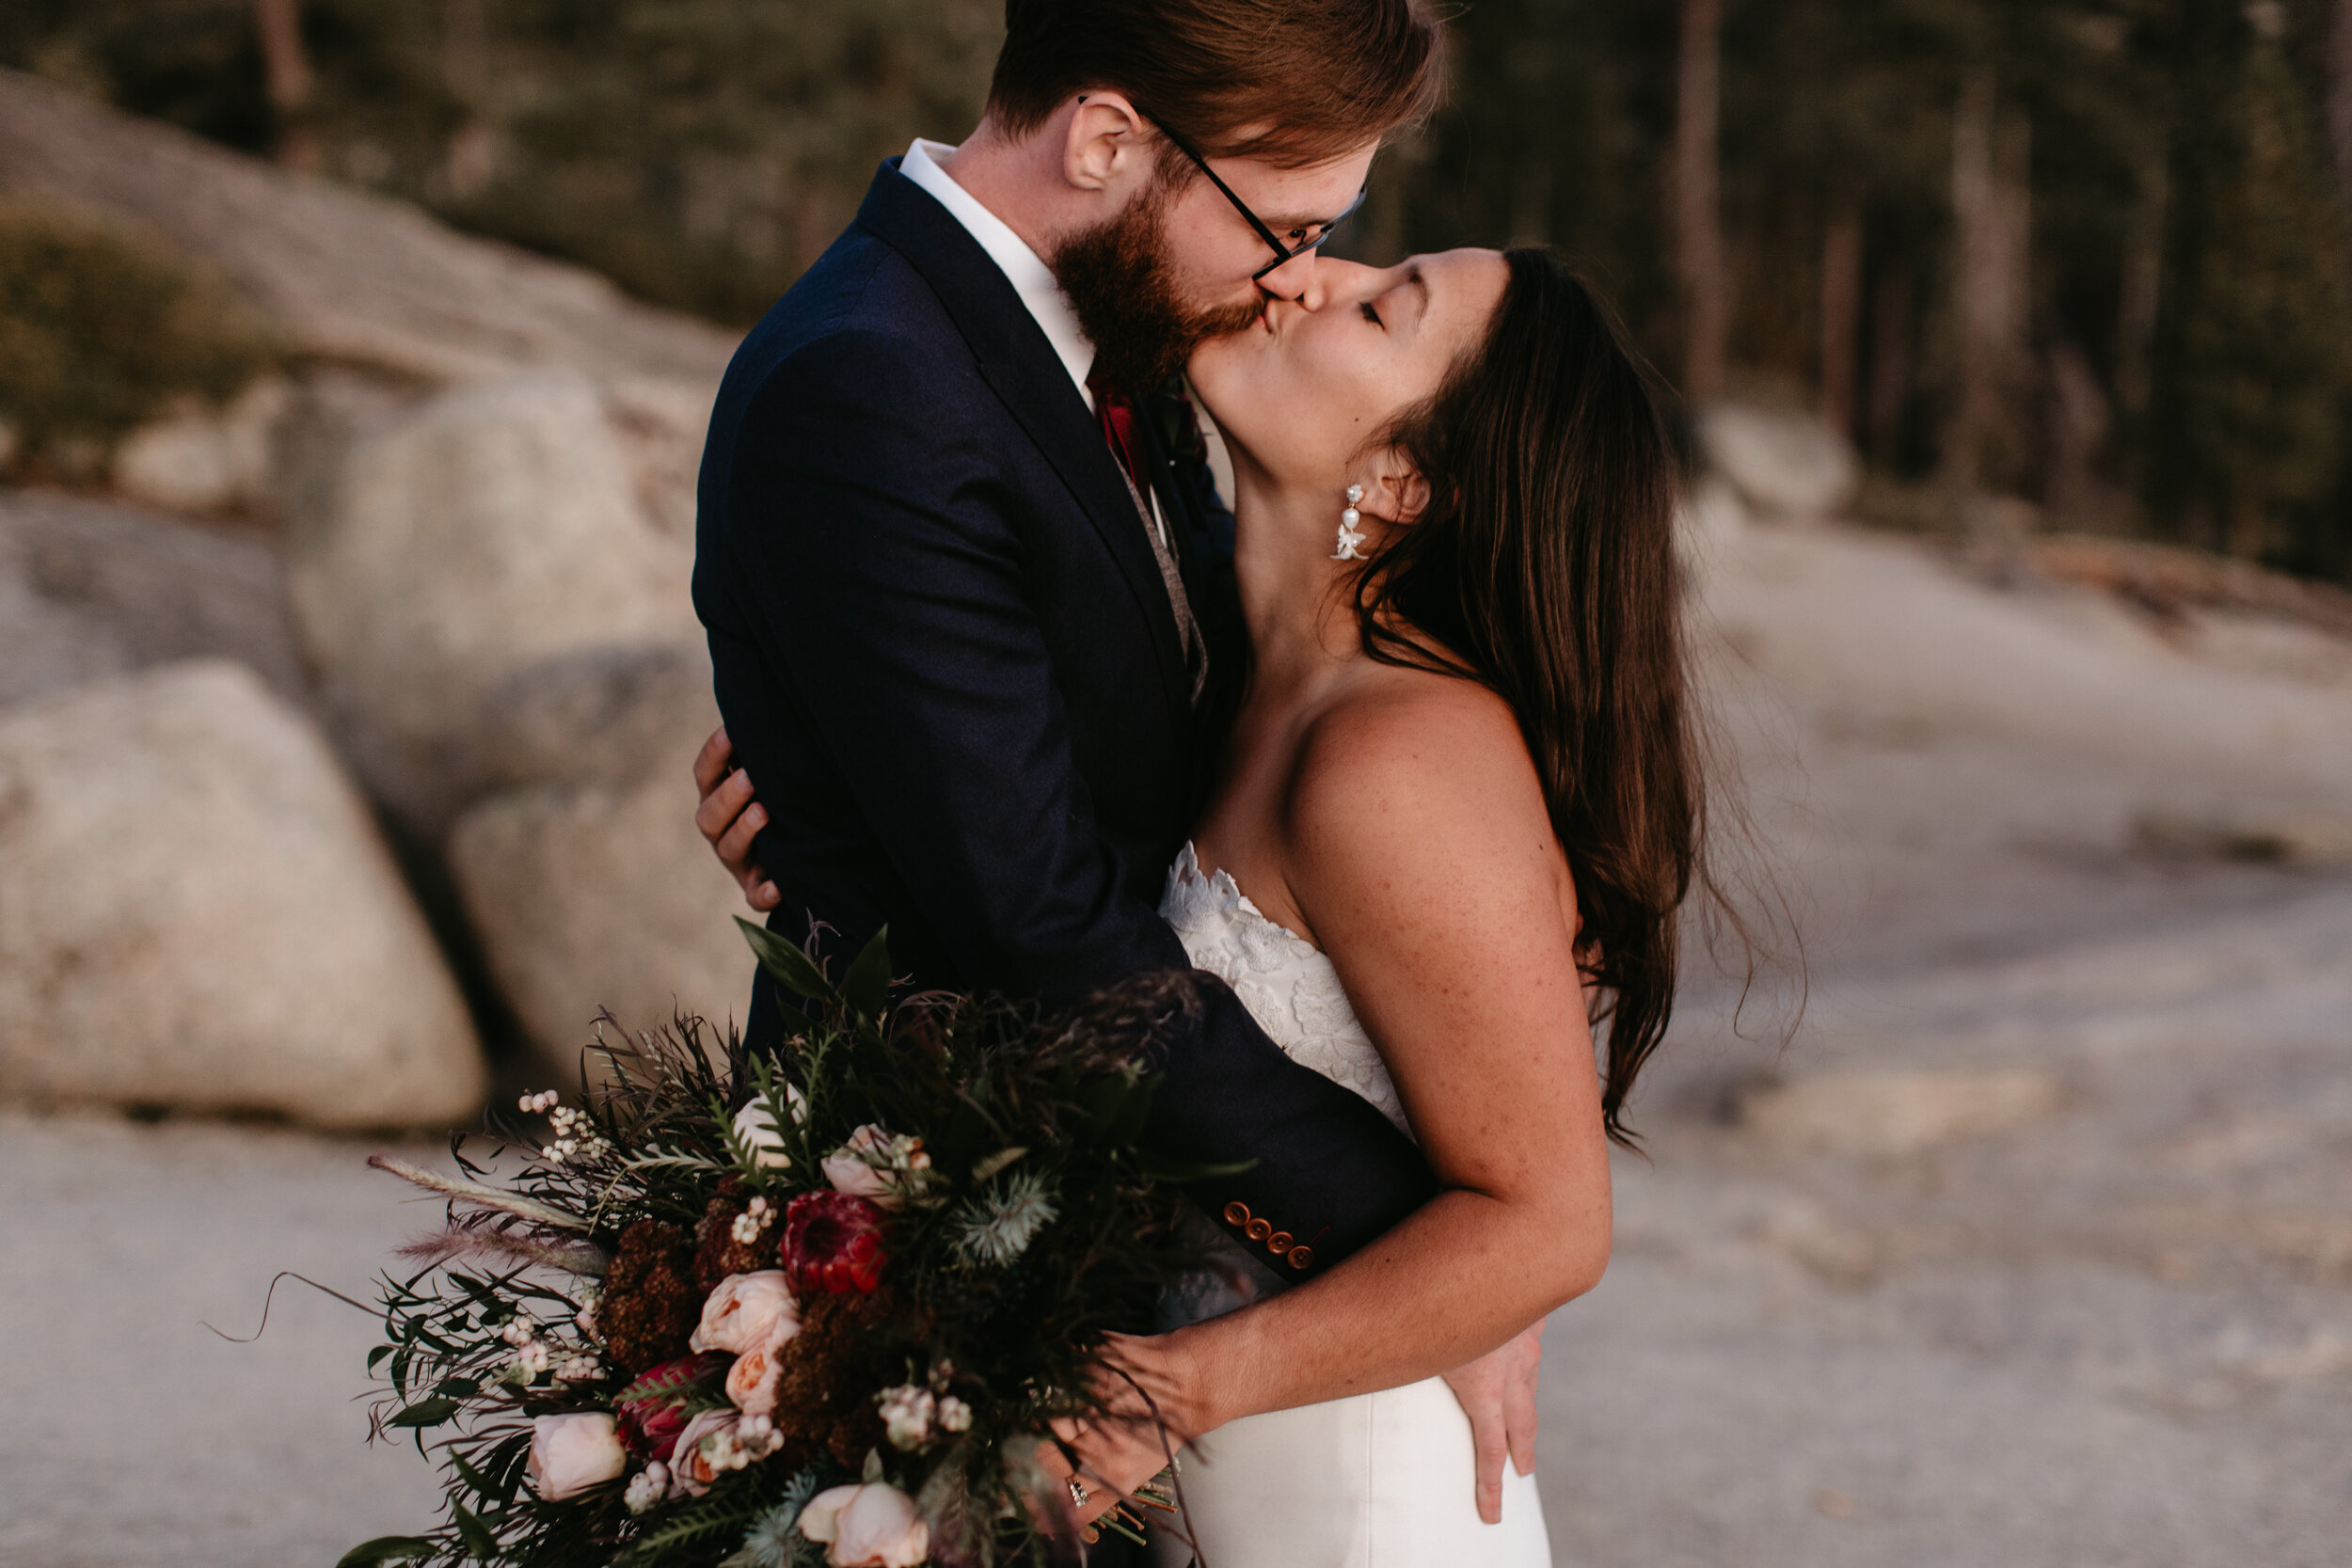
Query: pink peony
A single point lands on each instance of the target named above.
(753, 1380)
(833, 1241)
(747, 1312)
(851, 1175)
(853, 1168)
(571, 1454)
(691, 1472)
(866, 1526)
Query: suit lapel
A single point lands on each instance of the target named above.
(1020, 365)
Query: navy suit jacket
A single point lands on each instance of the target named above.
(946, 654)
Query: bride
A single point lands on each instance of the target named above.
(1456, 818)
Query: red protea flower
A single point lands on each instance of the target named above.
(833, 1243)
(652, 1410)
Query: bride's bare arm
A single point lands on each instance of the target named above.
(1417, 853)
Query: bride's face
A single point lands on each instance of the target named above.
(1302, 394)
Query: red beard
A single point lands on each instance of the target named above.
(1121, 283)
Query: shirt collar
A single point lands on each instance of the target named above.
(1031, 279)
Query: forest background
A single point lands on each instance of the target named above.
(2068, 264)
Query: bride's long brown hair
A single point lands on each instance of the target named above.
(1543, 568)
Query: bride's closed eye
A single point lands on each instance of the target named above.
(1371, 315)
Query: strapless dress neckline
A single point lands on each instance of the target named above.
(1288, 984)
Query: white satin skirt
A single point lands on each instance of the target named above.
(1378, 1481)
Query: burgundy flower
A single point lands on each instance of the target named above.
(833, 1243)
(652, 1411)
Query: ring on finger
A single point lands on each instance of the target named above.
(1077, 1492)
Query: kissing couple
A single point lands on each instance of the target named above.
(1383, 727)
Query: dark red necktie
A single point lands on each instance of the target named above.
(1119, 416)
(1122, 429)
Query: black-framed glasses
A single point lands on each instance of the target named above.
(1282, 253)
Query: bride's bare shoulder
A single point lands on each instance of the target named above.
(1410, 763)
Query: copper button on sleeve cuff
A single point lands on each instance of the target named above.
(1258, 1230)
(1237, 1212)
(1301, 1257)
(1278, 1241)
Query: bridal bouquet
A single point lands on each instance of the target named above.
(759, 1313)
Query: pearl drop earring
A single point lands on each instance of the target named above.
(1349, 538)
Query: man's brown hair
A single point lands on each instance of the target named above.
(1293, 82)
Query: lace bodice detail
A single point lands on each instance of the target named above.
(1286, 982)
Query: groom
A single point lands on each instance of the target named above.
(966, 580)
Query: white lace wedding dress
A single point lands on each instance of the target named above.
(1378, 1481)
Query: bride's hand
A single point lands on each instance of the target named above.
(1151, 1411)
(1498, 1392)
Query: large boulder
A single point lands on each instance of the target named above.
(91, 589)
(459, 554)
(196, 912)
(600, 897)
(339, 275)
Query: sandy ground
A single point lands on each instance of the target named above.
(2033, 1246)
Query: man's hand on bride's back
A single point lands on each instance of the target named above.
(730, 818)
(1498, 1393)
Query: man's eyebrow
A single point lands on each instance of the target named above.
(1284, 223)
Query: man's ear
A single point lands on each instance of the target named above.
(1106, 144)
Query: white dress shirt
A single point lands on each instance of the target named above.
(1031, 279)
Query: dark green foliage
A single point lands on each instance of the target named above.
(2175, 138)
(102, 327)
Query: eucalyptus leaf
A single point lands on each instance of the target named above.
(867, 987)
(477, 1535)
(425, 1413)
(1103, 1098)
(473, 1478)
(385, 1548)
(1126, 1126)
(792, 968)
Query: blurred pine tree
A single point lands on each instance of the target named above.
(2090, 251)
(2246, 436)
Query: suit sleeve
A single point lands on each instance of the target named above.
(870, 548)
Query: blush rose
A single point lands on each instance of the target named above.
(755, 1379)
(872, 1525)
(570, 1454)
